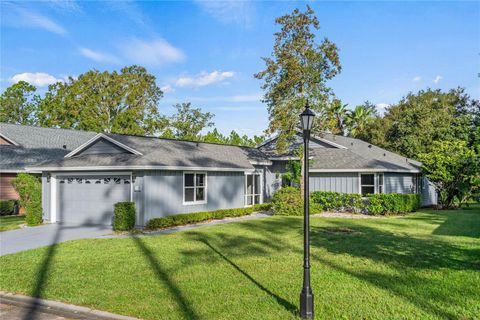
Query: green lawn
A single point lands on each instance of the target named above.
(11, 222)
(421, 266)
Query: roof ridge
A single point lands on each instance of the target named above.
(46, 128)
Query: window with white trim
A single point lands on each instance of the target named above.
(380, 183)
(194, 188)
(367, 184)
(253, 189)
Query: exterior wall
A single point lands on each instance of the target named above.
(338, 182)
(429, 194)
(163, 193)
(103, 146)
(7, 191)
(45, 197)
(4, 141)
(271, 181)
(399, 183)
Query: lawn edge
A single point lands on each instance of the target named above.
(58, 308)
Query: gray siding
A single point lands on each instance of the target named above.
(429, 194)
(163, 193)
(45, 197)
(399, 183)
(337, 182)
(103, 146)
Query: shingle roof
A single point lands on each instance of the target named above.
(37, 144)
(47, 138)
(157, 152)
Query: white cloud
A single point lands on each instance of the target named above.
(98, 56)
(246, 98)
(416, 78)
(437, 79)
(65, 5)
(151, 53)
(229, 11)
(204, 79)
(382, 107)
(38, 79)
(167, 88)
(33, 19)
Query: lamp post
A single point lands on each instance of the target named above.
(306, 296)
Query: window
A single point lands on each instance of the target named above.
(367, 184)
(194, 188)
(380, 183)
(253, 189)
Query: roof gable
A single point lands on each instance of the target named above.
(102, 144)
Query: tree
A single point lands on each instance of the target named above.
(296, 73)
(358, 120)
(188, 122)
(411, 126)
(234, 138)
(454, 169)
(124, 102)
(335, 116)
(18, 104)
(214, 137)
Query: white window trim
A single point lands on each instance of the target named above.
(377, 180)
(254, 194)
(375, 185)
(189, 203)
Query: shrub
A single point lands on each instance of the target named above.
(289, 202)
(6, 207)
(376, 204)
(29, 188)
(124, 216)
(336, 201)
(195, 217)
(392, 203)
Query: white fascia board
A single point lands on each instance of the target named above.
(261, 163)
(287, 158)
(363, 170)
(114, 168)
(8, 139)
(98, 137)
(11, 171)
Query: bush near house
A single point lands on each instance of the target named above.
(29, 188)
(124, 214)
(195, 217)
(288, 201)
(392, 203)
(6, 207)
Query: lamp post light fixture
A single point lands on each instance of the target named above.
(306, 296)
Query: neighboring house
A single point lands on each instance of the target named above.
(164, 176)
(22, 146)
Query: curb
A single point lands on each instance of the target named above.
(59, 308)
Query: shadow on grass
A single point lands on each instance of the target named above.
(164, 277)
(41, 282)
(281, 301)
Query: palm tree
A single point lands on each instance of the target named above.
(335, 117)
(358, 119)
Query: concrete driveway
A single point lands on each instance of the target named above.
(35, 237)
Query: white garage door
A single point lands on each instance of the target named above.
(89, 200)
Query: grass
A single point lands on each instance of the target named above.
(421, 266)
(11, 222)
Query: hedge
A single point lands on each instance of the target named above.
(195, 217)
(124, 214)
(288, 201)
(336, 201)
(7, 207)
(29, 188)
(392, 203)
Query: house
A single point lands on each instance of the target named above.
(22, 146)
(165, 176)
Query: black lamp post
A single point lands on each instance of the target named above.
(306, 296)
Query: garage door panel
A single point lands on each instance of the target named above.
(90, 199)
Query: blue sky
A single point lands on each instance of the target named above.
(207, 52)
